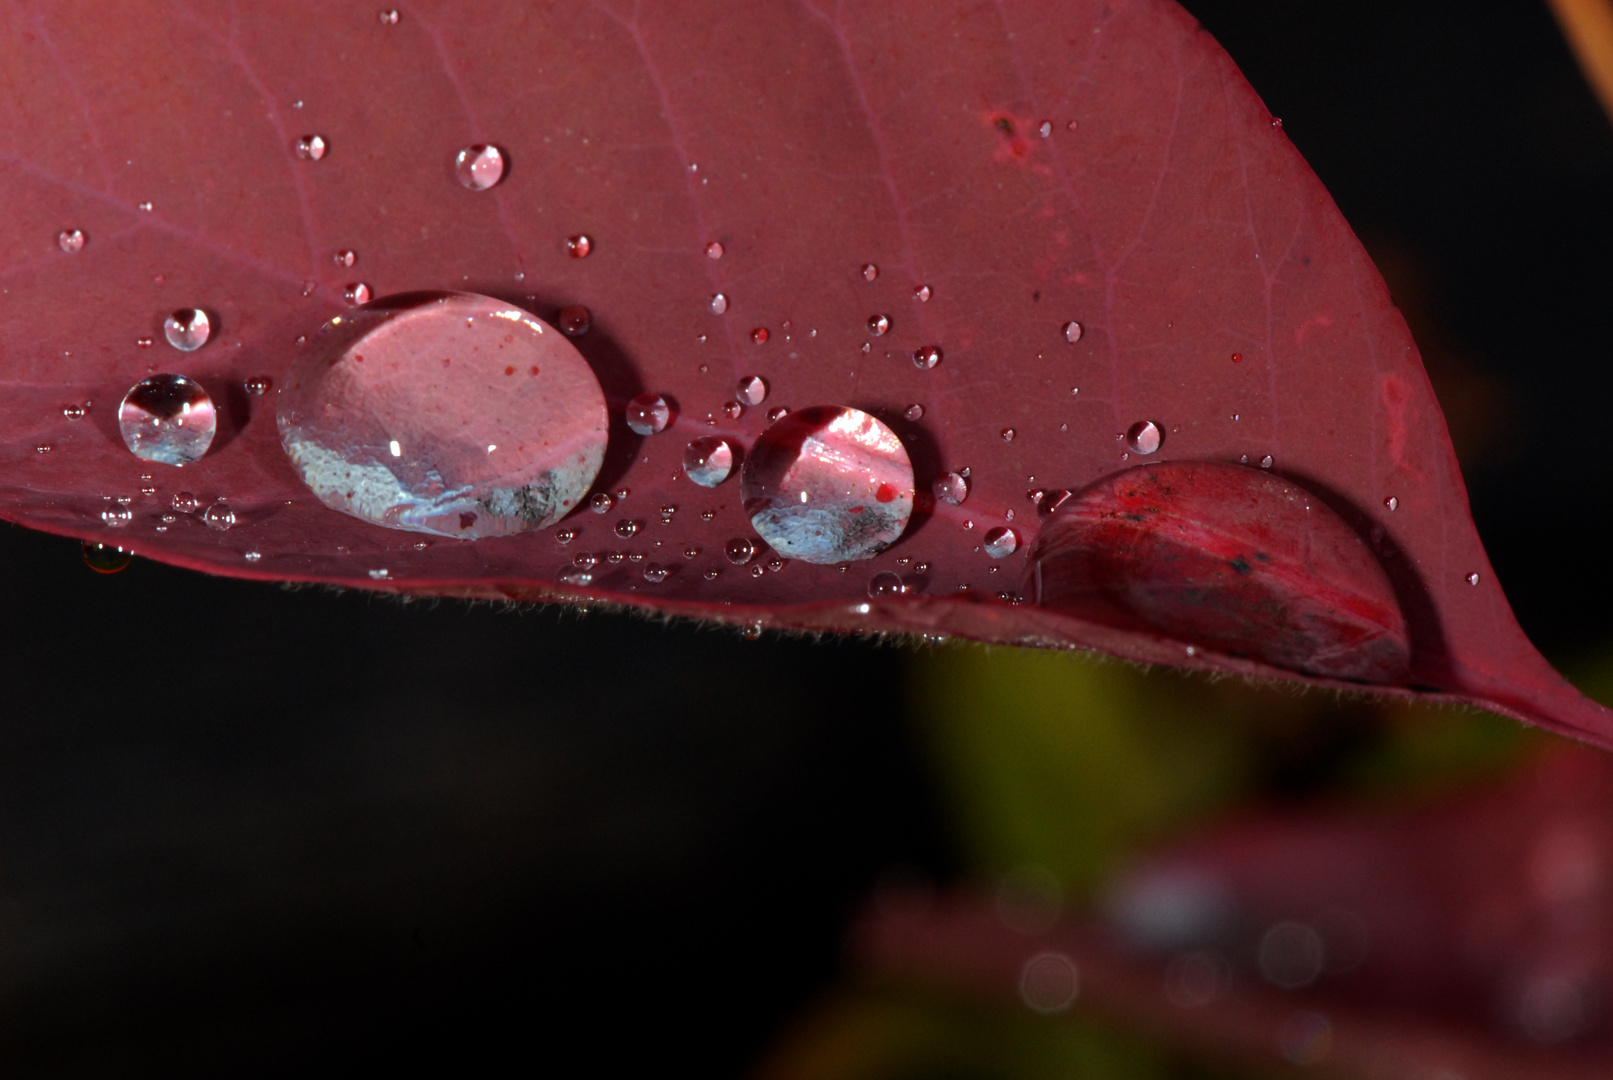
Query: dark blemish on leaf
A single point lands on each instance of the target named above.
(1005, 125)
(1261, 556)
(466, 520)
(1037, 295)
(1241, 565)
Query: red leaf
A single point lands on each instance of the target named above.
(1028, 165)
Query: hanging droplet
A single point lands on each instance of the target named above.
(752, 390)
(444, 413)
(219, 516)
(167, 418)
(952, 488)
(71, 241)
(1000, 542)
(922, 294)
(1144, 436)
(579, 246)
(627, 529)
(345, 257)
(870, 272)
(1008, 434)
(479, 167)
(915, 412)
(187, 329)
(357, 293)
(576, 320)
(1073, 331)
(759, 335)
(105, 558)
(1473, 578)
(186, 503)
(310, 147)
(828, 484)
(885, 584)
(1265, 462)
(739, 550)
(389, 17)
(714, 250)
(259, 385)
(648, 414)
(879, 325)
(601, 503)
(718, 304)
(73, 411)
(927, 356)
(708, 461)
(775, 415)
(733, 410)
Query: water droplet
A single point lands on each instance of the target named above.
(601, 503)
(739, 550)
(885, 583)
(144, 342)
(707, 515)
(116, 517)
(585, 560)
(827, 484)
(752, 632)
(576, 320)
(479, 167)
(105, 558)
(187, 329)
(310, 147)
(389, 17)
(927, 356)
(758, 570)
(1073, 331)
(1473, 578)
(345, 257)
(71, 241)
(752, 390)
(655, 573)
(869, 271)
(1277, 122)
(383, 427)
(259, 385)
(714, 250)
(74, 411)
(252, 556)
(922, 294)
(759, 335)
(952, 488)
(186, 503)
(167, 418)
(708, 461)
(914, 412)
(1144, 436)
(1046, 129)
(879, 325)
(579, 246)
(565, 536)
(718, 304)
(1237, 358)
(1008, 434)
(733, 410)
(219, 516)
(648, 414)
(1265, 462)
(575, 576)
(144, 207)
(357, 293)
(627, 529)
(775, 415)
(774, 565)
(42, 448)
(1000, 542)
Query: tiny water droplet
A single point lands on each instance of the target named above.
(187, 329)
(74, 411)
(739, 550)
(186, 503)
(952, 488)
(579, 246)
(927, 356)
(1265, 462)
(389, 17)
(733, 410)
(759, 335)
(357, 293)
(708, 461)
(219, 516)
(1473, 578)
(869, 271)
(71, 241)
(1000, 542)
(655, 573)
(922, 294)
(252, 556)
(105, 558)
(345, 257)
(1046, 128)
(601, 503)
(627, 529)
(117, 517)
(1008, 434)
(259, 385)
(648, 414)
(775, 415)
(167, 418)
(1144, 436)
(752, 390)
(1073, 331)
(718, 304)
(915, 412)
(885, 583)
(576, 320)
(479, 166)
(1391, 502)
(879, 325)
(714, 250)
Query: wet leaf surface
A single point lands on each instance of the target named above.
(1022, 167)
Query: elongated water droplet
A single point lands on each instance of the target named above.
(219, 516)
(718, 304)
(444, 413)
(927, 356)
(576, 320)
(714, 250)
(879, 325)
(922, 294)
(708, 461)
(884, 584)
(648, 414)
(71, 241)
(187, 329)
(752, 390)
(1144, 436)
(952, 488)
(167, 418)
(1000, 542)
(479, 167)
(105, 558)
(870, 272)
(259, 385)
(357, 293)
(1072, 332)
(828, 484)
(739, 550)
(310, 147)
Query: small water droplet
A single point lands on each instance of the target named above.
(927, 356)
(879, 325)
(565, 536)
(584, 560)
(259, 385)
(952, 488)
(219, 516)
(1277, 122)
(357, 293)
(479, 166)
(186, 503)
(1265, 462)
(1473, 578)
(389, 17)
(74, 411)
(1073, 331)
(42, 448)
(144, 342)
(187, 329)
(733, 410)
(869, 271)
(648, 414)
(718, 304)
(739, 550)
(1046, 129)
(167, 418)
(774, 565)
(576, 320)
(1391, 502)
(707, 515)
(885, 583)
(1144, 436)
(310, 147)
(922, 294)
(345, 257)
(144, 207)
(714, 250)
(758, 570)
(655, 573)
(601, 503)
(579, 246)
(117, 517)
(775, 415)
(1008, 434)
(252, 556)
(627, 529)
(752, 390)
(1237, 358)
(915, 412)
(708, 461)
(71, 241)
(1000, 542)
(105, 558)
(753, 632)
(759, 335)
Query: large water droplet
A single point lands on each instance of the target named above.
(952, 488)
(1144, 436)
(479, 167)
(219, 516)
(828, 484)
(739, 550)
(310, 147)
(648, 414)
(444, 413)
(71, 241)
(759, 335)
(927, 356)
(168, 418)
(187, 329)
(1473, 578)
(708, 461)
(105, 558)
(718, 304)
(1000, 542)
(1072, 332)
(752, 390)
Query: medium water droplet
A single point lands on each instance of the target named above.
(655, 573)
(357, 293)
(885, 583)
(752, 390)
(648, 414)
(927, 356)
(775, 415)
(187, 329)
(627, 529)
(733, 410)
(74, 411)
(167, 418)
(117, 517)
(259, 385)
(869, 271)
(390, 415)
(1000, 542)
(879, 325)
(739, 550)
(1073, 331)
(1046, 129)
(345, 257)
(71, 241)
(479, 167)
(718, 304)
(310, 147)
(714, 250)
(105, 558)
(186, 503)
(1473, 578)
(601, 503)
(759, 335)
(914, 412)
(579, 246)
(922, 294)
(1008, 434)
(1265, 462)
(1391, 502)
(708, 461)
(219, 516)
(1144, 436)
(952, 488)
(827, 484)
(576, 320)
